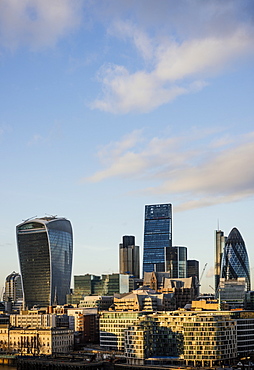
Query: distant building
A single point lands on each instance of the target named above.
(106, 285)
(235, 261)
(193, 269)
(219, 248)
(184, 289)
(232, 293)
(129, 257)
(176, 261)
(144, 299)
(102, 303)
(86, 284)
(86, 321)
(13, 288)
(157, 236)
(45, 251)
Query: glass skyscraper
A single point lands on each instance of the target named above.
(157, 236)
(235, 262)
(45, 249)
(176, 261)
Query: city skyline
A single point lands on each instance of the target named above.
(109, 106)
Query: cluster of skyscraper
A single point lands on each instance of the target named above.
(45, 249)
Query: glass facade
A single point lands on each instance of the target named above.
(45, 250)
(176, 261)
(235, 262)
(157, 236)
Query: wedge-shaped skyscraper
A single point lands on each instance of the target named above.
(235, 261)
(45, 249)
(157, 236)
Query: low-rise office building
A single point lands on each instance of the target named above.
(195, 338)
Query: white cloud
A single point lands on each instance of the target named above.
(36, 23)
(175, 61)
(199, 177)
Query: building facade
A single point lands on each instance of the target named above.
(219, 248)
(36, 341)
(176, 261)
(235, 261)
(192, 338)
(13, 288)
(45, 249)
(157, 236)
(129, 257)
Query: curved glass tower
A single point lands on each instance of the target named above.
(235, 262)
(45, 249)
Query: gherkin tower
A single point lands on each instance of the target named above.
(235, 261)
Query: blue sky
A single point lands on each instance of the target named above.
(108, 105)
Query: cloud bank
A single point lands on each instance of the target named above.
(197, 170)
(179, 59)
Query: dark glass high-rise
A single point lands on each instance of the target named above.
(157, 236)
(45, 248)
(235, 261)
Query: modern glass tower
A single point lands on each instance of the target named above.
(45, 249)
(157, 236)
(235, 262)
(176, 261)
(220, 240)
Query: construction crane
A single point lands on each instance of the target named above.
(202, 274)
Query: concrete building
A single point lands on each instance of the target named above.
(102, 303)
(34, 333)
(129, 257)
(86, 325)
(184, 290)
(196, 339)
(36, 341)
(13, 288)
(112, 327)
(143, 299)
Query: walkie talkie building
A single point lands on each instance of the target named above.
(45, 248)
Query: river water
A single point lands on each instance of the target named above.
(5, 367)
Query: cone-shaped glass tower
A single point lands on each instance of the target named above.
(235, 261)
